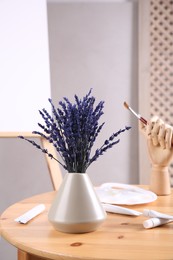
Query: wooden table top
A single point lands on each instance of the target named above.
(119, 237)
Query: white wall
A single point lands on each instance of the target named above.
(94, 45)
(24, 88)
(24, 63)
(91, 45)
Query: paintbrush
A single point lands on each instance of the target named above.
(144, 121)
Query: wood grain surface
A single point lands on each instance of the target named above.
(119, 237)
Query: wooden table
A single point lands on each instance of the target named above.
(119, 237)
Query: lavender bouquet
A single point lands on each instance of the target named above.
(73, 129)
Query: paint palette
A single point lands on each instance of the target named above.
(124, 194)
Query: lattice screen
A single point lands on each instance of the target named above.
(161, 61)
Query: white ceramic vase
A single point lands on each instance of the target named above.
(76, 207)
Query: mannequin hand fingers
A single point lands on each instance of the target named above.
(156, 119)
(153, 126)
(154, 132)
(155, 140)
(168, 138)
(149, 128)
(161, 136)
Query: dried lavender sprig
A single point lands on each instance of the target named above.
(60, 147)
(107, 145)
(73, 130)
(101, 151)
(54, 127)
(57, 113)
(91, 125)
(43, 150)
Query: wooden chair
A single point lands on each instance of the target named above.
(53, 167)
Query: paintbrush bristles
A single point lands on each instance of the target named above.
(126, 105)
(137, 115)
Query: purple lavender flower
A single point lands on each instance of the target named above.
(72, 128)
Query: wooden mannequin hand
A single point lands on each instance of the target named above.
(159, 142)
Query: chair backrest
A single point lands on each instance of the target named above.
(53, 166)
